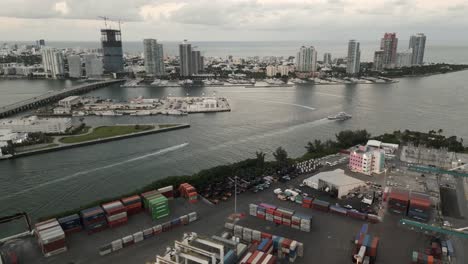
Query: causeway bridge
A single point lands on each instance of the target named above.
(50, 97)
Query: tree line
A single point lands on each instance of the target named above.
(258, 166)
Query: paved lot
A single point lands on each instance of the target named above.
(329, 239)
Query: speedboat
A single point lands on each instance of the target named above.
(340, 116)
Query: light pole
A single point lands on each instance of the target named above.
(235, 195)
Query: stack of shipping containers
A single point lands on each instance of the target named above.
(366, 246)
(167, 191)
(132, 204)
(280, 215)
(320, 205)
(116, 213)
(70, 224)
(51, 237)
(419, 206)
(189, 192)
(158, 207)
(398, 201)
(94, 219)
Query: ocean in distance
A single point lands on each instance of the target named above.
(435, 52)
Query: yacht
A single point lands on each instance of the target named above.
(187, 82)
(340, 116)
(159, 82)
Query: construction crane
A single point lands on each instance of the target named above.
(105, 20)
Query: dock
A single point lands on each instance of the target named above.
(51, 97)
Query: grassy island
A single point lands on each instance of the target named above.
(103, 132)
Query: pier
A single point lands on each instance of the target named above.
(52, 97)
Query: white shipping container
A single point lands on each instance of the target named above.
(116, 216)
(166, 189)
(229, 226)
(117, 244)
(51, 235)
(55, 252)
(127, 239)
(138, 237)
(148, 231)
(192, 216)
(105, 252)
(256, 235)
(300, 249)
(157, 229)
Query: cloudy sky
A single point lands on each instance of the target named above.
(240, 20)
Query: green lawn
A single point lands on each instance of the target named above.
(167, 125)
(106, 132)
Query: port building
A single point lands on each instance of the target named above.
(367, 160)
(34, 124)
(336, 180)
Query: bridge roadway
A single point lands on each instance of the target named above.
(52, 97)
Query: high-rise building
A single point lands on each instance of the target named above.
(195, 62)
(283, 70)
(378, 60)
(354, 57)
(404, 58)
(271, 71)
(327, 59)
(93, 66)
(417, 44)
(74, 66)
(388, 45)
(185, 57)
(153, 53)
(306, 59)
(112, 52)
(53, 62)
(40, 43)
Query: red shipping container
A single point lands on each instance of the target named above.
(254, 255)
(374, 245)
(73, 230)
(267, 235)
(53, 246)
(118, 222)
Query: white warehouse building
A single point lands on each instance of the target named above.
(336, 179)
(34, 124)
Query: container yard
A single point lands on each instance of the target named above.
(281, 216)
(330, 225)
(144, 106)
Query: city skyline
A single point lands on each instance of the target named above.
(234, 20)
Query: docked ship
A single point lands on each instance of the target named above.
(340, 116)
(159, 82)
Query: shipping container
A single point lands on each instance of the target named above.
(338, 210)
(357, 215)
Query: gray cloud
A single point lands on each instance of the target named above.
(232, 19)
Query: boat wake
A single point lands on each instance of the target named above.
(256, 137)
(279, 102)
(69, 177)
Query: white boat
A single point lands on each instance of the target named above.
(297, 80)
(159, 82)
(340, 116)
(274, 81)
(186, 82)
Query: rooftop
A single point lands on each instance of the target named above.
(336, 177)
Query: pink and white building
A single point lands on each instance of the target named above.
(367, 161)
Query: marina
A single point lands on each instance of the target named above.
(140, 106)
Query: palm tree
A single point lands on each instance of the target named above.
(281, 157)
